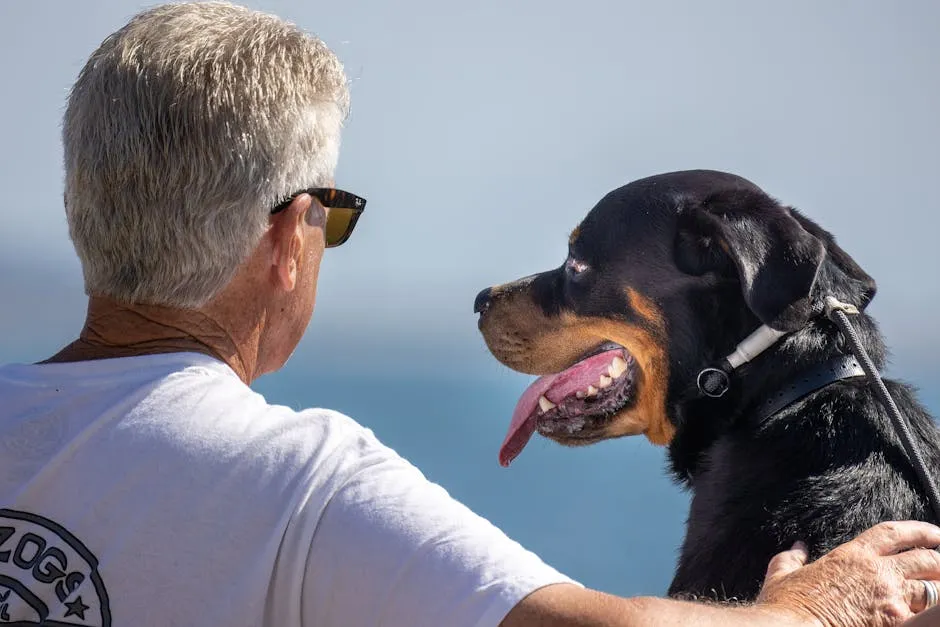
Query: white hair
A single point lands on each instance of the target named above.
(183, 130)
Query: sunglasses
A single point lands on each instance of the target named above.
(344, 211)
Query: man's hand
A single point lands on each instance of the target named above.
(872, 580)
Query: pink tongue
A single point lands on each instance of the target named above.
(555, 387)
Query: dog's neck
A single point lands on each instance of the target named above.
(703, 420)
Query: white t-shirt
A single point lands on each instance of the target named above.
(161, 490)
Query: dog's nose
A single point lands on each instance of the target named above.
(482, 301)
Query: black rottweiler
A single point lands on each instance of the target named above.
(665, 276)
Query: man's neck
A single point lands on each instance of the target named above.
(114, 329)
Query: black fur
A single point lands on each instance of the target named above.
(718, 257)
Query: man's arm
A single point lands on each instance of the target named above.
(872, 580)
(569, 606)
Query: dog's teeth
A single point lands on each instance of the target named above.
(580, 394)
(617, 367)
(605, 381)
(591, 391)
(546, 404)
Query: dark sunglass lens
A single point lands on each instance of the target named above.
(338, 223)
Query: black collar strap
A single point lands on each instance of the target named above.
(816, 378)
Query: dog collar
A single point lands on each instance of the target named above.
(815, 378)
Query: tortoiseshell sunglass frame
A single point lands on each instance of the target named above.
(333, 199)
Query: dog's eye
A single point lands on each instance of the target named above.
(573, 266)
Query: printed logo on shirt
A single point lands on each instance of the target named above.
(48, 577)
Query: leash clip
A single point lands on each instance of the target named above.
(833, 304)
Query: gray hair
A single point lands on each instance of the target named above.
(183, 129)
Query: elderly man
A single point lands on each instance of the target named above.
(144, 483)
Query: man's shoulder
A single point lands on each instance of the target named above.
(186, 409)
(208, 392)
(223, 413)
(195, 408)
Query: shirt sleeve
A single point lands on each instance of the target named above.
(394, 549)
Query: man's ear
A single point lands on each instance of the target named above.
(749, 235)
(287, 233)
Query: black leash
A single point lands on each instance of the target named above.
(839, 313)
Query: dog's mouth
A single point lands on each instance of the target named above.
(573, 405)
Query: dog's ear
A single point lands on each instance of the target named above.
(747, 234)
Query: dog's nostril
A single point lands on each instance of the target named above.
(482, 301)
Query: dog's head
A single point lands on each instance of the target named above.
(663, 277)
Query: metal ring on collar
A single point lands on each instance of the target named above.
(713, 382)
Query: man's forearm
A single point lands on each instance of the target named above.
(570, 606)
(654, 611)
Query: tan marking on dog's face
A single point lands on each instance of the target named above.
(520, 336)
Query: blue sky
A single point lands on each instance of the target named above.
(482, 132)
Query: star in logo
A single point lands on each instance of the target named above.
(77, 608)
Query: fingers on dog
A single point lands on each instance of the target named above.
(889, 538)
(786, 562)
(918, 564)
